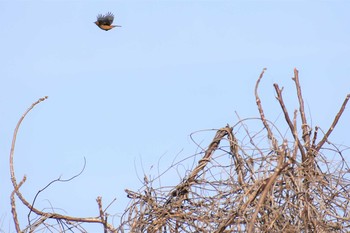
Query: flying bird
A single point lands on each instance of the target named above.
(105, 21)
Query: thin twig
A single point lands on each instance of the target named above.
(289, 122)
(336, 119)
(305, 127)
(102, 214)
(261, 111)
(54, 181)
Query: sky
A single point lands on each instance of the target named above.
(128, 99)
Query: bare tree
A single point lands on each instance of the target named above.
(244, 181)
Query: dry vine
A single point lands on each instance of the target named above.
(240, 184)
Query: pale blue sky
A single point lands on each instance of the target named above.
(135, 93)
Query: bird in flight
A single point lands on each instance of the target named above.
(105, 21)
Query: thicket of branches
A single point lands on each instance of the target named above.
(240, 183)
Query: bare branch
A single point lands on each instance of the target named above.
(16, 191)
(266, 188)
(12, 170)
(238, 183)
(13, 205)
(102, 214)
(289, 122)
(54, 181)
(182, 188)
(336, 119)
(304, 126)
(242, 184)
(261, 111)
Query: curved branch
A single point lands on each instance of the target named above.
(26, 203)
(12, 170)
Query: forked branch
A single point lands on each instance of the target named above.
(43, 215)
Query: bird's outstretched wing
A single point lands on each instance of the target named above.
(106, 19)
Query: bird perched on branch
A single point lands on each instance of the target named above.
(105, 21)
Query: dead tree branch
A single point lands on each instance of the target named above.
(252, 186)
(43, 215)
(249, 179)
